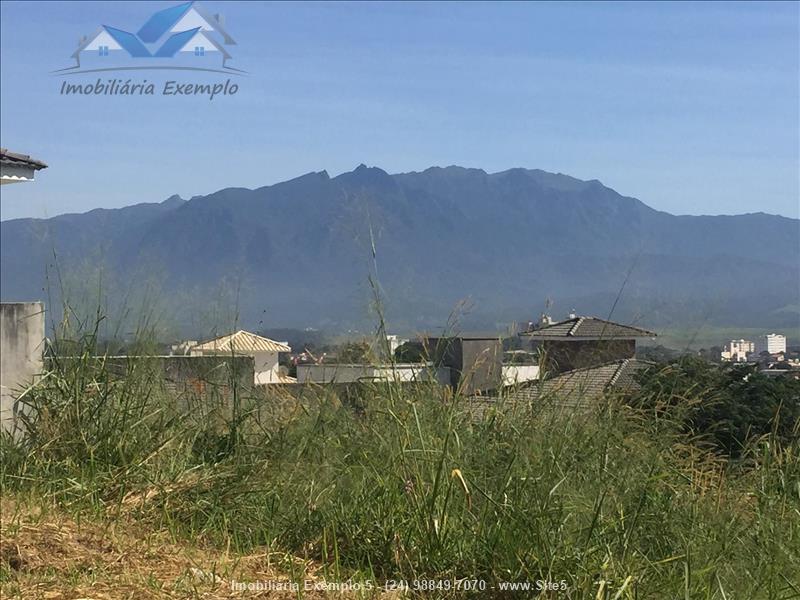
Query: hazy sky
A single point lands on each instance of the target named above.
(693, 108)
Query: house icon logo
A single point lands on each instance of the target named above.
(183, 37)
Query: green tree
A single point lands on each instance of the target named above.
(410, 352)
(730, 405)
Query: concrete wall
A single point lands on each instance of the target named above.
(193, 376)
(21, 350)
(475, 363)
(482, 366)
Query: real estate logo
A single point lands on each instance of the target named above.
(179, 38)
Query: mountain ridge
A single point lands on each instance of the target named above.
(302, 249)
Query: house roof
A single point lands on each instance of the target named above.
(128, 41)
(161, 22)
(242, 342)
(21, 160)
(86, 41)
(573, 390)
(587, 383)
(176, 42)
(588, 328)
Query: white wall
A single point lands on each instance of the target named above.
(265, 364)
(772, 343)
(198, 39)
(737, 350)
(103, 39)
(21, 348)
(402, 372)
(514, 374)
(191, 20)
(15, 173)
(266, 367)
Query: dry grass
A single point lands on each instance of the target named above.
(49, 555)
(383, 483)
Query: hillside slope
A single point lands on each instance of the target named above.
(299, 252)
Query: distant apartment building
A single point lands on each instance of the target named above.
(773, 343)
(737, 350)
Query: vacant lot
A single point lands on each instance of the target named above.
(118, 493)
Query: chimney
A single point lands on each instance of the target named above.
(82, 40)
(220, 19)
(572, 314)
(545, 320)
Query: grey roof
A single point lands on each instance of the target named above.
(588, 327)
(85, 41)
(587, 383)
(572, 390)
(21, 160)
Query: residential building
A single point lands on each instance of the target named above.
(475, 360)
(577, 390)
(581, 342)
(265, 353)
(737, 350)
(22, 324)
(772, 343)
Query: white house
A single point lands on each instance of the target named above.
(264, 351)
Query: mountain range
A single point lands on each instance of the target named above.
(313, 251)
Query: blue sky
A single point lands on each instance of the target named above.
(693, 108)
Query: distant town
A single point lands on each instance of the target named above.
(769, 350)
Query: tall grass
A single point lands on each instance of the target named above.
(405, 482)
